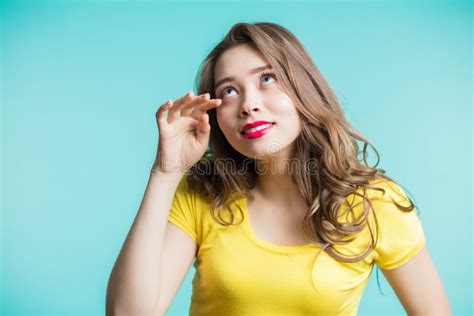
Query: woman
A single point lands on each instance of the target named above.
(279, 212)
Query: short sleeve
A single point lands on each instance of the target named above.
(183, 210)
(401, 234)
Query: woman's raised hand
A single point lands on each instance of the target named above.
(184, 134)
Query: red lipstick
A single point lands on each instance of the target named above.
(254, 124)
(256, 132)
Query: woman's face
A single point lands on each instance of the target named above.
(253, 95)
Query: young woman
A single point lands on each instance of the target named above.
(258, 179)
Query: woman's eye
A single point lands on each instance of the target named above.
(268, 76)
(263, 75)
(224, 90)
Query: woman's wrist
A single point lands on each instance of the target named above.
(158, 169)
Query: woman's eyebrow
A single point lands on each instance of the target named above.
(251, 72)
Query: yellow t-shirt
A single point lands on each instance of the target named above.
(239, 274)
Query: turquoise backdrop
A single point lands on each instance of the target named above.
(80, 84)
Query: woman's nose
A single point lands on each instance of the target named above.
(247, 109)
(249, 104)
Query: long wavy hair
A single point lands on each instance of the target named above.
(326, 137)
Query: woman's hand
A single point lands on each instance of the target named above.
(184, 134)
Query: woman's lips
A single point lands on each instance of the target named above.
(259, 133)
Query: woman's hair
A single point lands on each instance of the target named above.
(326, 137)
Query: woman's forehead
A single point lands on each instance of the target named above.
(238, 62)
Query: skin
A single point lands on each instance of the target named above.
(417, 283)
(251, 98)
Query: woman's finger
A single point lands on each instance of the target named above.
(198, 111)
(160, 114)
(203, 129)
(174, 112)
(187, 109)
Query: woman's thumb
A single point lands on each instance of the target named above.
(203, 129)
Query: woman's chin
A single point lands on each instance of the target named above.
(260, 155)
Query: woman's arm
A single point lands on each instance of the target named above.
(418, 286)
(135, 281)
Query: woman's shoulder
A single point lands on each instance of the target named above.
(382, 196)
(187, 190)
(381, 189)
(191, 211)
(391, 218)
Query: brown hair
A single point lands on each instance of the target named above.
(326, 137)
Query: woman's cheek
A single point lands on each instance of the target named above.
(223, 119)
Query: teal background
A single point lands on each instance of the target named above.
(81, 82)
